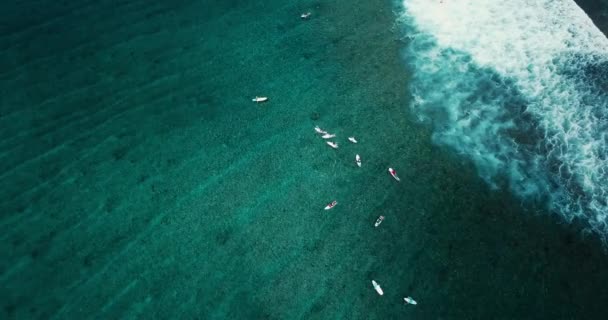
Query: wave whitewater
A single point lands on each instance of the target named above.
(521, 88)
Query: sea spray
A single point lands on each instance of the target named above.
(521, 89)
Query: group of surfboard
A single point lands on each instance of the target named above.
(326, 135)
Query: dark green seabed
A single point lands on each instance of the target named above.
(138, 180)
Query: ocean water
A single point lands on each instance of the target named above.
(139, 180)
(523, 93)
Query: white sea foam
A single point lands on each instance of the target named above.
(521, 88)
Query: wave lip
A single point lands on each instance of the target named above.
(521, 88)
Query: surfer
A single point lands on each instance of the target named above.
(393, 173)
(331, 205)
(410, 300)
(379, 221)
(377, 287)
(320, 131)
(259, 99)
(328, 136)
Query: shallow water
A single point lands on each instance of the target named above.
(140, 181)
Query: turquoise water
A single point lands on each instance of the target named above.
(140, 181)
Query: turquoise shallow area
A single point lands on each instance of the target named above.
(138, 180)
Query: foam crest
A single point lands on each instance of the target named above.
(520, 87)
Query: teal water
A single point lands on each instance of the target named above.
(140, 181)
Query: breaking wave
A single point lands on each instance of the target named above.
(521, 88)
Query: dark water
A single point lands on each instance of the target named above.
(138, 179)
(597, 10)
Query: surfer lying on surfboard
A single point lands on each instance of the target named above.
(379, 221)
(328, 136)
(393, 173)
(377, 287)
(332, 144)
(320, 131)
(331, 205)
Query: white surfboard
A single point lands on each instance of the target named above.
(260, 99)
(377, 287)
(379, 221)
(331, 205)
(393, 173)
(332, 144)
(320, 131)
